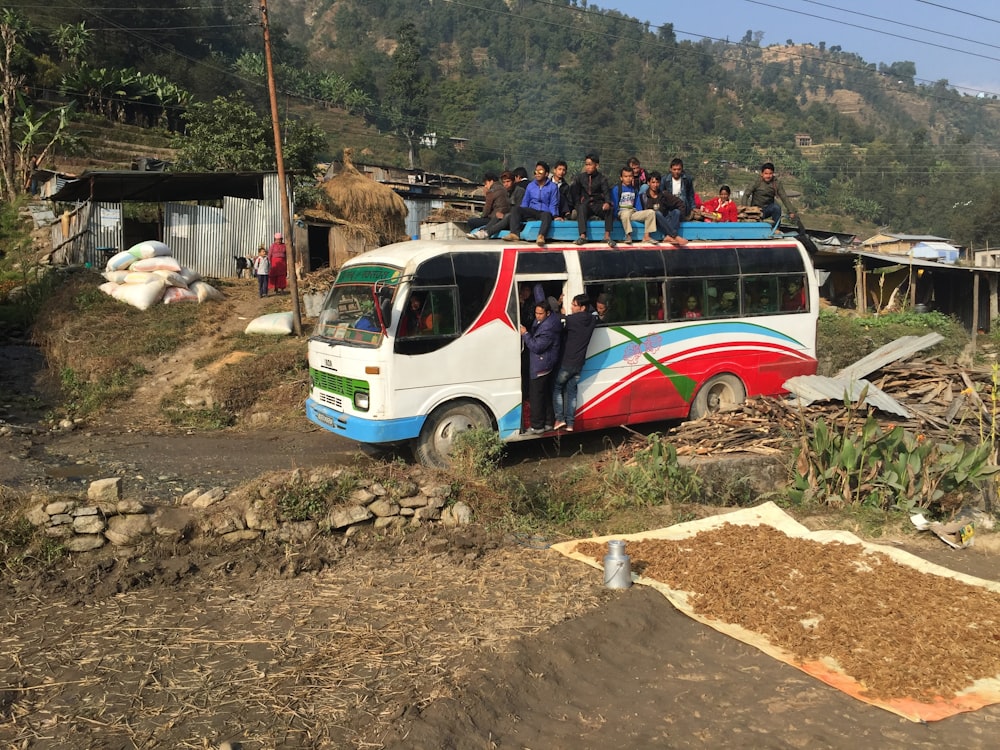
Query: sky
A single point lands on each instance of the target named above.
(961, 45)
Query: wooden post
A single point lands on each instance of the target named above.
(975, 310)
(859, 286)
(286, 215)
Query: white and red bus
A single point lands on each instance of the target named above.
(688, 330)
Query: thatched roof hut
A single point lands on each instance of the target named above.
(373, 213)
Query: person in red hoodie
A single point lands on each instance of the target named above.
(721, 208)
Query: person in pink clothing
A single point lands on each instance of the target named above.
(278, 277)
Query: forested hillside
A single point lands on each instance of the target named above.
(467, 85)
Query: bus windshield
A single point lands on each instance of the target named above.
(351, 311)
(349, 314)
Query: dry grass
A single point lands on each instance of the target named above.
(320, 661)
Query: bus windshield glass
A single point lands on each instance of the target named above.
(350, 312)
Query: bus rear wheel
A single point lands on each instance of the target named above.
(437, 438)
(717, 394)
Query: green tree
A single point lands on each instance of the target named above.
(406, 90)
(229, 135)
(73, 40)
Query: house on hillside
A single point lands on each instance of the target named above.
(904, 244)
(205, 218)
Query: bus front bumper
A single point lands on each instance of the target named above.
(363, 430)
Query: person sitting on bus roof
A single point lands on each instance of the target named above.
(765, 193)
(625, 199)
(721, 208)
(578, 327)
(565, 201)
(639, 177)
(500, 220)
(693, 308)
(542, 342)
(591, 194)
(540, 201)
(496, 206)
(667, 210)
(681, 184)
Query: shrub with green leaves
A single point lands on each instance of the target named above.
(653, 476)
(884, 469)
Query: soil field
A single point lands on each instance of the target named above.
(431, 639)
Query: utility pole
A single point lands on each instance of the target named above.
(286, 215)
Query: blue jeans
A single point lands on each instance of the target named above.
(772, 213)
(670, 223)
(564, 396)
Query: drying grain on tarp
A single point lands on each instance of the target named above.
(899, 631)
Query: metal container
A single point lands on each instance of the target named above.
(617, 566)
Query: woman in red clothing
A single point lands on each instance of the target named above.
(721, 208)
(279, 267)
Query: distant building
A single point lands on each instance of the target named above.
(803, 139)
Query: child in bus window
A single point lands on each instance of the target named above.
(793, 297)
(692, 307)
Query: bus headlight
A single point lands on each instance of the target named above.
(361, 400)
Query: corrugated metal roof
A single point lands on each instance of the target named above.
(808, 389)
(160, 187)
(902, 348)
(906, 260)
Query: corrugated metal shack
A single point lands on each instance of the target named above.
(206, 218)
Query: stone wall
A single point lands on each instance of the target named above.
(247, 513)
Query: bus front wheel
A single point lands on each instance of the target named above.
(718, 393)
(437, 437)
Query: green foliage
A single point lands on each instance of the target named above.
(311, 501)
(83, 396)
(477, 453)
(653, 476)
(862, 465)
(228, 134)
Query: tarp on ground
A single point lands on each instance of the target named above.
(980, 693)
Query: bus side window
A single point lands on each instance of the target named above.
(793, 294)
(723, 299)
(760, 295)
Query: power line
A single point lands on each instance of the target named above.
(959, 10)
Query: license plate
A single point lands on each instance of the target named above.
(324, 419)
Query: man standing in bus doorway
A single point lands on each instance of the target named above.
(276, 256)
(542, 343)
(765, 193)
(578, 327)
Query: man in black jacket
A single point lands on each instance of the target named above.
(591, 192)
(578, 327)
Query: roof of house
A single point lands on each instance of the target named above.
(118, 186)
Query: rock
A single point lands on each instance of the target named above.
(60, 518)
(427, 514)
(295, 531)
(437, 490)
(125, 530)
(405, 488)
(387, 522)
(436, 501)
(407, 511)
(105, 492)
(58, 532)
(86, 510)
(383, 507)
(85, 542)
(209, 498)
(66, 425)
(341, 517)
(361, 496)
(413, 501)
(60, 506)
(260, 516)
(191, 496)
(88, 524)
(171, 522)
(462, 513)
(260, 419)
(37, 516)
(377, 489)
(243, 535)
(129, 506)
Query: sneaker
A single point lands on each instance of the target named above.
(472, 236)
(580, 241)
(540, 241)
(569, 428)
(628, 241)
(511, 237)
(548, 428)
(534, 431)
(559, 425)
(612, 243)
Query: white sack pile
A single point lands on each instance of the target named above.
(146, 274)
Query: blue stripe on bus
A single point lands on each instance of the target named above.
(613, 355)
(510, 423)
(364, 430)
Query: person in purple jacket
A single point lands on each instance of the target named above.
(543, 343)
(540, 201)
